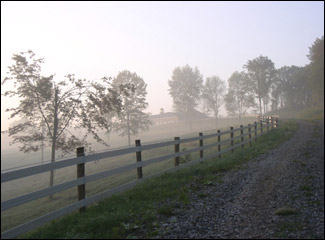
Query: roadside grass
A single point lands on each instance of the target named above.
(285, 211)
(310, 114)
(23, 213)
(121, 215)
(285, 228)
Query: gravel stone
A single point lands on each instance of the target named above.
(244, 203)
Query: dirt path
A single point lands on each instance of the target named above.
(244, 203)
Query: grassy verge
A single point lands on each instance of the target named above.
(120, 215)
(23, 213)
(311, 114)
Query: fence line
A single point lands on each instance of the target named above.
(82, 179)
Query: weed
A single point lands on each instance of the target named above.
(284, 211)
(186, 158)
(288, 227)
(305, 188)
(166, 211)
(202, 195)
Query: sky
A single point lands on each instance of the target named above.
(96, 39)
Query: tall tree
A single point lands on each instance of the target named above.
(132, 119)
(71, 103)
(261, 75)
(277, 90)
(213, 92)
(185, 88)
(316, 76)
(293, 85)
(239, 97)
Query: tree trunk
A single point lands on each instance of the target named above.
(55, 126)
(259, 99)
(240, 111)
(189, 118)
(128, 122)
(216, 113)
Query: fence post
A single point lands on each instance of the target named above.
(219, 146)
(261, 127)
(201, 145)
(232, 138)
(80, 174)
(277, 122)
(249, 135)
(271, 122)
(242, 137)
(267, 123)
(139, 158)
(176, 163)
(255, 126)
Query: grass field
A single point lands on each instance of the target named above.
(120, 215)
(23, 213)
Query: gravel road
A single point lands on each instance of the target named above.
(244, 203)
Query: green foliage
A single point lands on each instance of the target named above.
(55, 107)
(213, 92)
(239, 97)
(316, 76)
(301, 87)
(185, 158)
(185, 88)
(131, 119)
(68, 103)
(290, 87)
(261, 74)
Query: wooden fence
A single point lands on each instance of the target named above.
(82, 179)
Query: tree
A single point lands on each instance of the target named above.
(185, 88)
(239, 98)
(277, 90)
(71, 103)
(292, 86)
(162, 111)
(316, 77)
(131, 118)
(213, 92)
(261, 76)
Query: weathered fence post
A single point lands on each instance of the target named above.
(219, 146)
(272, 122)
(80, 174)
(232, 138)
(139, 158)
(201, 145)
(267, 123)
(176, 163)
(242, 137)
(261, 127)
(249, 135)
(277, 122)
(255, 127)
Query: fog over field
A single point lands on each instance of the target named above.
(101, 75)
(11, 157)
(148, 60)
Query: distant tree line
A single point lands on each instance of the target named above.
(260, 87)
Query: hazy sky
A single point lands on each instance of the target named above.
(96, 39)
